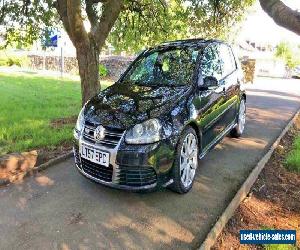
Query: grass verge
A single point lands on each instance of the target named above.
(29, 104)
(293, 158)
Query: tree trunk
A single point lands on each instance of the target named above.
(88, 63)
(282, 14)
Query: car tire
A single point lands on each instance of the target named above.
(186, 161)
(238, 130)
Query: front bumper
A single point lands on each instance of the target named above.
(132, 167)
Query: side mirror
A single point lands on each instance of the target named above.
(209, 82)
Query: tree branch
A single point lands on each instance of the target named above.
(282, 14)
(61, 7)
(110, 12)
(90, 11)
(76, 21)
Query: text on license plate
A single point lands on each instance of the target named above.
(94, 155)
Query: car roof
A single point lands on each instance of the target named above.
(188, 42)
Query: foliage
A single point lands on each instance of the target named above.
(288, 53)
(35, 102)
(103, 71)
(3, 61)
(293, 158)
(279, 247)
(24, 21)
(11, 59)
(20, 61)
(141, 23)
(215, 18)
(154, 23)
(148, 23)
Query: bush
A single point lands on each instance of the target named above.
(293, 158)
(289, 53)
(3, 59)
(103, 71)
(20, 61)
(10, 60)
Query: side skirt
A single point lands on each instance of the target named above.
(217, 140)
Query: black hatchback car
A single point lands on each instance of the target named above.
(170, 107)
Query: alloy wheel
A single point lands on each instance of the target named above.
(188, 160)
(242, 117)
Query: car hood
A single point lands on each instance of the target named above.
(123, 104)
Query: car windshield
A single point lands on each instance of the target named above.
(172, 67)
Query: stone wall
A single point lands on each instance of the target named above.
(115, 65)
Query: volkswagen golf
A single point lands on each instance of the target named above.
(172, 105)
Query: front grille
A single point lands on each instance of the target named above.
(97, 171)
(110, 140)
(136, 176)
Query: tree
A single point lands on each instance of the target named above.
(88, 44)
(282, 15)
(289, 54)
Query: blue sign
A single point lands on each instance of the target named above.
(268, 237)
(53, 41)
(50, 38)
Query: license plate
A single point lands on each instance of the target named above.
(94, 155)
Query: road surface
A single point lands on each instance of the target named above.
(60, 209)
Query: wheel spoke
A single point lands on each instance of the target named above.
(194, 165)
(183, 164)
(187, 177)
(183, 177)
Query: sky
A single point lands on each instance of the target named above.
(261, 28)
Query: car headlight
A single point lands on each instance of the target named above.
(146, 132)
(80, 121)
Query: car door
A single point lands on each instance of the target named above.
(212, 101)
(230, 84)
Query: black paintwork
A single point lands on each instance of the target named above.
(211, 111)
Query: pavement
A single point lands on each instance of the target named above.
(60, 209)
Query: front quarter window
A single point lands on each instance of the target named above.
(144, 68)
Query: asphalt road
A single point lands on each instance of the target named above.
(60, 209)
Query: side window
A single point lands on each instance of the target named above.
(211, 63)
(227, 60)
